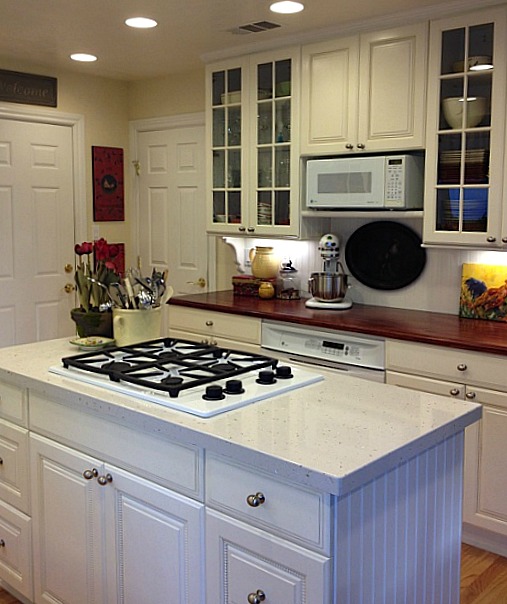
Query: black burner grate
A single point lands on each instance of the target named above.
(168, 365)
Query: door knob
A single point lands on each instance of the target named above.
(69, 288)
(201, 282)
(68, 268)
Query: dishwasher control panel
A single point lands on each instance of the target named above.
(363, 351)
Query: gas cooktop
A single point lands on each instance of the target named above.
(200, 379)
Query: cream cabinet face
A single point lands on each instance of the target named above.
(465, 131)
(251, 112)
(364, 93)
(485, 501)
(94, 521)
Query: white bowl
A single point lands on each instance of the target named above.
(453, 111)
(474, 64)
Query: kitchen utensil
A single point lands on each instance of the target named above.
(102, 285)
(385, 255)
(328, 287)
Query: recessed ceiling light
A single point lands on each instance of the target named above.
(83, 57)
(141, 22)
(287, 7)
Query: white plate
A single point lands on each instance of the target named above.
(92, 342)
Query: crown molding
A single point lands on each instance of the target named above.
(436, 11)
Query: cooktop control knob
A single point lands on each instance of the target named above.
(234, 387)
(284, 372)
(266, 376)
(214, 393)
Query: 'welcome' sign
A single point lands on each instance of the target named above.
(27, 88)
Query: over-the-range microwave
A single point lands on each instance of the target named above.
(368, 182)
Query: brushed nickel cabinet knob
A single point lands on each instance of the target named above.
(254, 501)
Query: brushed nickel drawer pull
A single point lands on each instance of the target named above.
(454, 391)
(462, 367)
(470, 395)
(89, 474)
(257, 597)
(254, 501)
(209, 323)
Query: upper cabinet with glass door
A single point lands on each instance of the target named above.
(466, 130)
(254, 182)
(225, 135)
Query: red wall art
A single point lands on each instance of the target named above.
(108, 196)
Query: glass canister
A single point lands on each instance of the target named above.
(288, 284)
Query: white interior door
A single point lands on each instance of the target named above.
(171, 206)
(36, 231)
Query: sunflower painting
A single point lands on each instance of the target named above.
(483, 292)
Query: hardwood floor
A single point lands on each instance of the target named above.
(483, 578)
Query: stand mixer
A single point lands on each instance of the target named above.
(328, 288)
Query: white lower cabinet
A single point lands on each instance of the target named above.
(104, 535)
(463, 374)
(266, 539)
(15, 520)
(246, 564)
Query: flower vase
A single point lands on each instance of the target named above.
(92, 323)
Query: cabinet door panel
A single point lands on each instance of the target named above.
(392, 88)
(329, 94)
(154, 542)
(244, 560)
(493, 484)
(68, 561)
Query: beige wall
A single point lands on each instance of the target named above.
(107, 106)
(170, 95)
(104, 105)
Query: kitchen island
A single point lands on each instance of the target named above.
(343, 490)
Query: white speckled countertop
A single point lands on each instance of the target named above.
(334, 435)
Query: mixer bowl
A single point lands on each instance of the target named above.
(328, 287)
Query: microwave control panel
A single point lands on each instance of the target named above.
(395, 181)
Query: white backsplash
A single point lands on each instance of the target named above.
(436, 289)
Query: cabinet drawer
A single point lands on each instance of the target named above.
(217, 341)
(287, 510)
(171, 464)
(423, 384)
(208, 323)
(14, 465)
(451, 364)
(16, 550)
(13, 404)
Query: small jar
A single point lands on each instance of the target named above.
(266, 290)
(288, 284)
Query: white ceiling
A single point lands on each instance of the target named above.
(45, 32)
